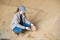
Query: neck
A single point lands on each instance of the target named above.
(20, 13)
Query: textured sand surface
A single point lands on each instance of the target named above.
(45, 14)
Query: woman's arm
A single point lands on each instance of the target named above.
(32, 25)
(27, 21)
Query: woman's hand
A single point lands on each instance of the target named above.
(27, 28)
(33, 27)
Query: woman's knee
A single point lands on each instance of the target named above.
(17, 30)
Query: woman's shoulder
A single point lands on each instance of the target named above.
(16, 13)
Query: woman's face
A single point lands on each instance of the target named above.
(21, 12)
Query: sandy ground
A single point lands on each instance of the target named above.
(45, 14)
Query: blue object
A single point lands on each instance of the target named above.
(17, 30)
(26, 25)
(22, 8)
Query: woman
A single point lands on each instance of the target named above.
(20, 22)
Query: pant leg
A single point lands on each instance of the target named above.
(26, 25)
(17, 30)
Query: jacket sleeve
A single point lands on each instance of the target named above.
(27, 21)
(15, 22)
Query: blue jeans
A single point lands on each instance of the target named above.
(18, 30)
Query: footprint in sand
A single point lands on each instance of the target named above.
(30, 36)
